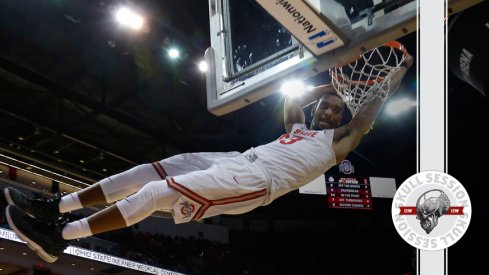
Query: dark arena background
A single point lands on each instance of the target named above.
(83, 98)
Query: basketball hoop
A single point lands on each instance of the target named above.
(368, 76)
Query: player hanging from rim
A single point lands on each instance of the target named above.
(200, 185)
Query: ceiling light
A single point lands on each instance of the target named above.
(174, 53)
(203, 66)
(127, 17)
(399, 106)
(293, 88)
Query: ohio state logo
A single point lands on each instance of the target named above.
(187, 209)
(431, 210)
(346, 167)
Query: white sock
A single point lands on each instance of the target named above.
(69, 203)
(77, 229)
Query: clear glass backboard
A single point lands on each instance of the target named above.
(251, 53)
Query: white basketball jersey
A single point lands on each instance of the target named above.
(297, 158)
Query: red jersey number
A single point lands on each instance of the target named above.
(288, 139)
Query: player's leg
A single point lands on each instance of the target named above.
(111, 189)
(153, 196)
(122, 185)
(115, 187)
(105, 191)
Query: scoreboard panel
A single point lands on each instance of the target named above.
(349, 192)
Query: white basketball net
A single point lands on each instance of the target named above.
(368, 76)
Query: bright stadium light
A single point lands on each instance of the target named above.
(293, 88)
(174, 53)
(399, 106)
(127, 17)
(203, 67)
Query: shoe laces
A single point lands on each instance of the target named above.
(41, 198)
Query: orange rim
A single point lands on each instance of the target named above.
(393, 44)
(396, 45)
(370, 82)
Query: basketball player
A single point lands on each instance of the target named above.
(200, 185)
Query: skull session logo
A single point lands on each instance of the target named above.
(431, 210)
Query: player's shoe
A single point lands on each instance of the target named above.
(44, 238)
(40, 207)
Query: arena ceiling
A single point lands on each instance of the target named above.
(83, 95)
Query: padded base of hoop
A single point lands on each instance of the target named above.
(468, 57)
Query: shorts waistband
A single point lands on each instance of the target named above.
(251, 156)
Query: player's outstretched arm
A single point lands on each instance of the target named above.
(293, 112)
(347, 137)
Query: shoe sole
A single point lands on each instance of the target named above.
(9, 199)
(30, 243)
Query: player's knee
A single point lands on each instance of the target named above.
(140, 205)
(148, 193)
(152, 196)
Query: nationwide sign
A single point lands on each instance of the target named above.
(318, 34)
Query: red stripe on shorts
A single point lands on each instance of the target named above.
(208, 203)
(159, 169)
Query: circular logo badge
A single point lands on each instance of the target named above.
(431, 210)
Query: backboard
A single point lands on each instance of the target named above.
(252, 53)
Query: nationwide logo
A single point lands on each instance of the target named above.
(431, 210)
(322, 43)
(322, 38)
(307, 24)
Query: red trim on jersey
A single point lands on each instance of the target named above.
(208, 203)
(160, 170)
